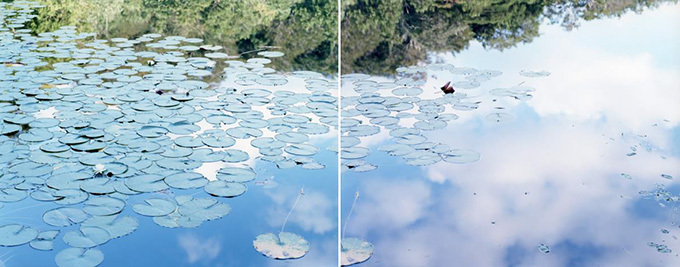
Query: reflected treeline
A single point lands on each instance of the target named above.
(306, 30)
(380, 35)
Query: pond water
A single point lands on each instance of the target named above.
(561, 151)
(472, 133)
(158, 149)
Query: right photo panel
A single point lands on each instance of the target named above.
(510, 133)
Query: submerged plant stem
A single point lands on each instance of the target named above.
(302, 192)
(344, 227)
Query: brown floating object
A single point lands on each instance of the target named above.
(447, 88)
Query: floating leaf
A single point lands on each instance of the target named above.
(355, 250)
(221, 188)
(16, 234)
(236, 174)
(186, 180)
(64, 216)
(44, 240)
(155, 207)
(86, 237)
(461, 156)
(103, 206)
(146, 183)
(78, 257)
(116, 227)
(283, 246)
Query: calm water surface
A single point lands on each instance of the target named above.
(583, 173)
(248, 90)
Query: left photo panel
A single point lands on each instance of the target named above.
(169, 133)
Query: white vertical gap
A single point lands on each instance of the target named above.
(339, 130)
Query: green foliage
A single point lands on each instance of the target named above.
(306, 30)
(379, 36)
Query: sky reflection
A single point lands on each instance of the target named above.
(552, 174)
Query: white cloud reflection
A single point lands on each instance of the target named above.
(199, 249)
(314, 212)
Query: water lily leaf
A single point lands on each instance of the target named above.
(16, 234)
(397, 149)
(218, 142)
(186, 180)
(188, 141)
(152, 131)
(64, 216)
(79, 257)
(285, 245)
(195, 211)
(301, 149)
(12, 195)
(236, 174)
(70, 196)
(354, 152)
(86, 237)
(292, 137)
(116, 227)
(44, 240)
(146, 183)
(461, 156)
(98, 186)
(155, 207)
(355, 250)
(221, 188)
(67, 180)
(179, 163)
(102, 206)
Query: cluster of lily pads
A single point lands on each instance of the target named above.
(389, 105)
(86, 124)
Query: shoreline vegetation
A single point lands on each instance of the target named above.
(305, 29)
(380, 36)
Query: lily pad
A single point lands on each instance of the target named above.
(16, 234)
(155, 207)
(65, 216)
(283, 246)
(461, 156)
(221, 188)
(186, 180)
(79, 257)
(146, 183)
(86, 237)
(45, 240)
(236, 174)
(102, 206)
(116, 227)
(355, 250)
